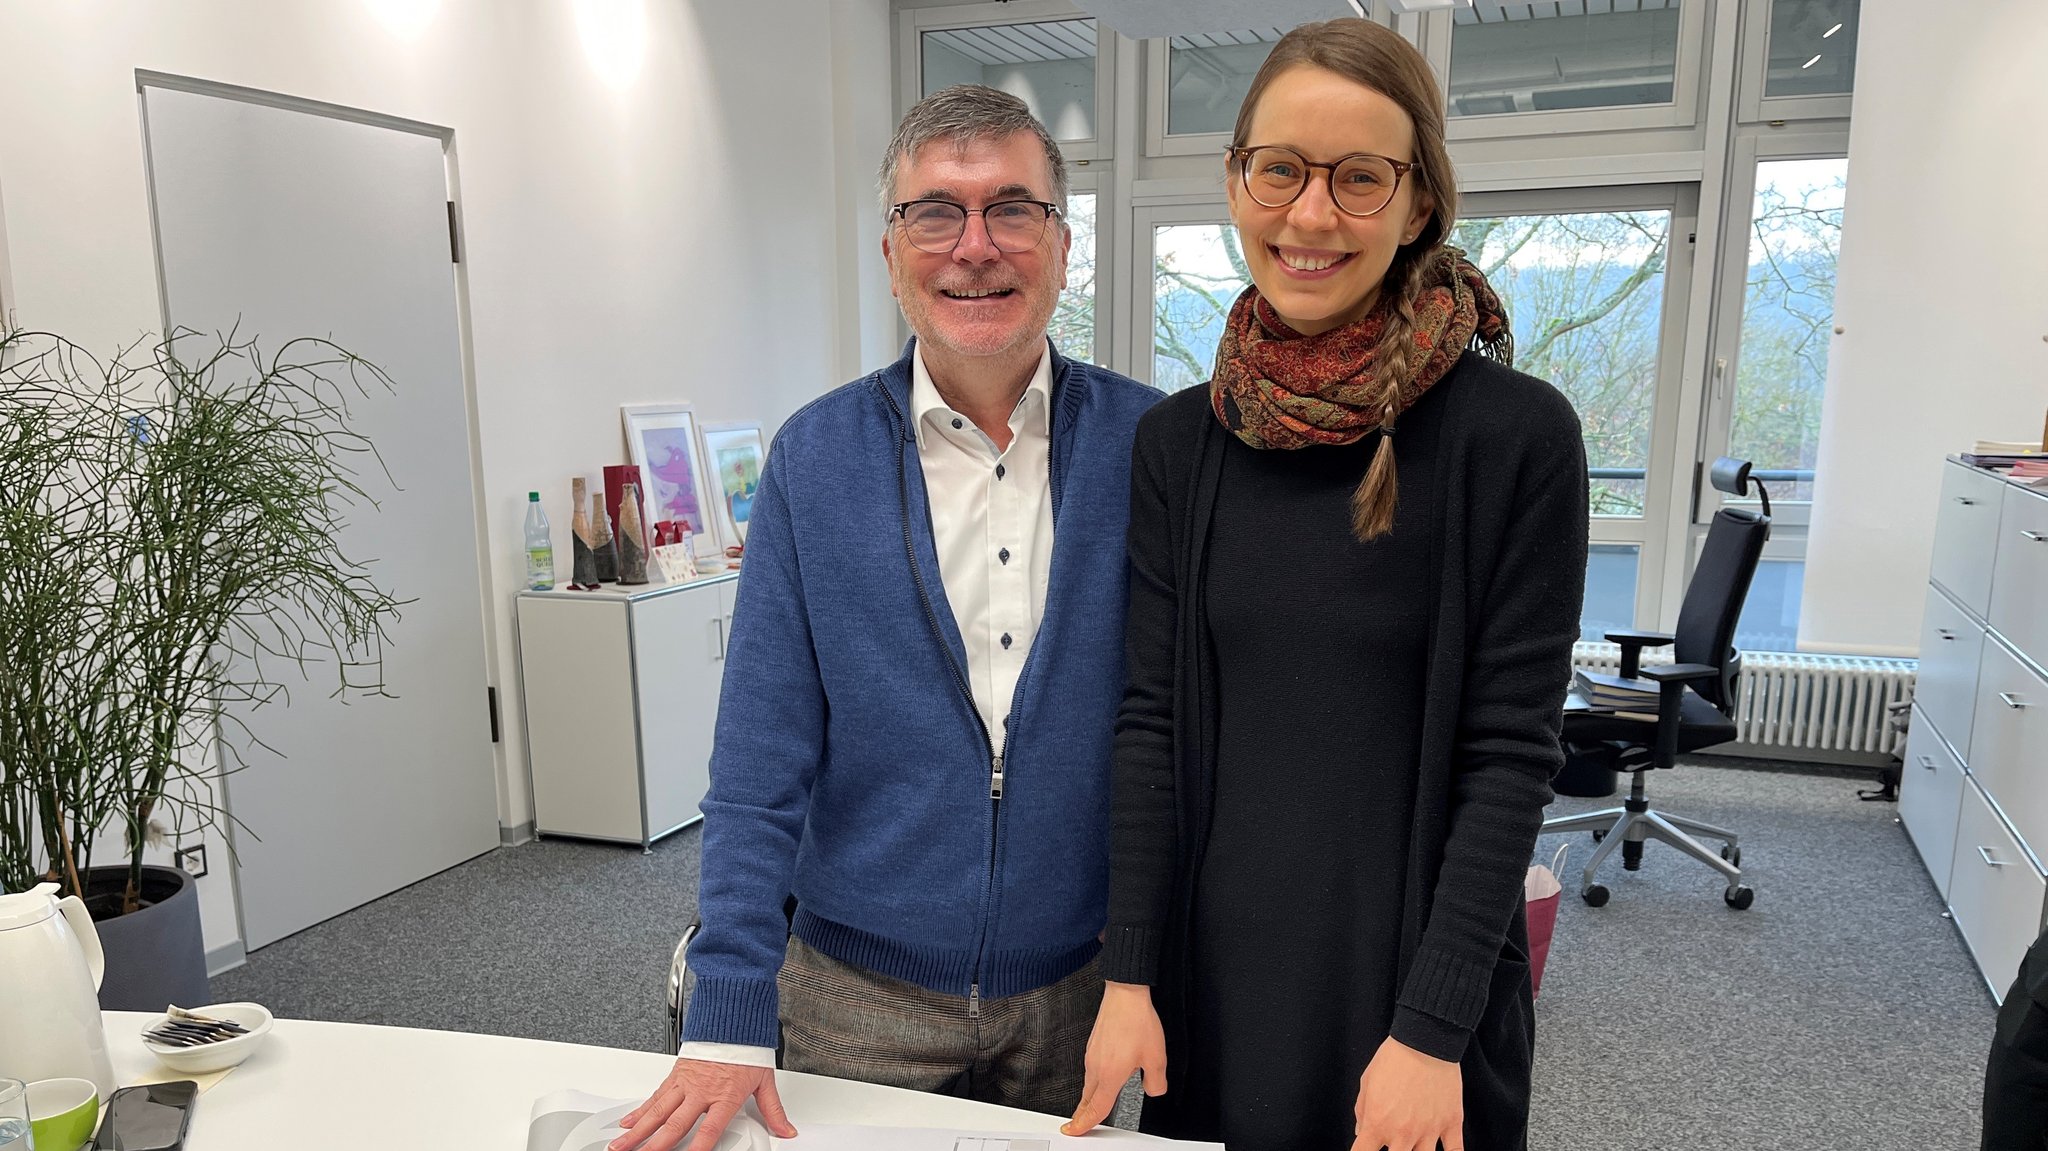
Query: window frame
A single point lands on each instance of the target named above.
(1752, 149)
(1688, 98)
(1649, 530)
(913, 23)
(1752, 106)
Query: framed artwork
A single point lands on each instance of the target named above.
(734, 454)
(661, 440)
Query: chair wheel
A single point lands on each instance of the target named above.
(1599, 834)
(1739, 898)
(1596, 895)
(1732, 854)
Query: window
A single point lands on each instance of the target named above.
(1812, 48)
(1073, 318)
(1197, 273)
(1770, 616)
(1209, 75)
(1611, 576)
(1585, 298)
(1049, 65)
(1795, 235)
(1554, 55)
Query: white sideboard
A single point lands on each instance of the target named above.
(1975, 792)
(621, 694)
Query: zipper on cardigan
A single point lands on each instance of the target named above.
(995, 790)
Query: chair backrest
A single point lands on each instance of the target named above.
(1713, 602)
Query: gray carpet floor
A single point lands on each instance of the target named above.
(1841, 1011)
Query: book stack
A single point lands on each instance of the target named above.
(2008, 454)
(1615, 695)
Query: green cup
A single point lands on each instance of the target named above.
(62, 1113)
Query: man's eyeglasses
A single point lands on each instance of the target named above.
(936, 225)
(1361, 184)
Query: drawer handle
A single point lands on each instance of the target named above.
(2012, 701)
(1966, 501)
(1986, 853)
(2037, 537)
(1927, 761)
(1945, 634)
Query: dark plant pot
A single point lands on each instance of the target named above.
(155, 956)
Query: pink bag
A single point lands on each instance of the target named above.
(1540, 894)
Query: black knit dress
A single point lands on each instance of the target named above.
(1332, 757)
(1321, 648)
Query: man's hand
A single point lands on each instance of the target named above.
(1408, 1101)
(712, 1091)
(1127, 1037)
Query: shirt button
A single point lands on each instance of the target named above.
(999, 471)
(957, 425)
(1004, 555)
(1006, 641)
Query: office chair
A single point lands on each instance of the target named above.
(1695, 702)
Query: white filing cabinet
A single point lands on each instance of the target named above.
(1975, 792)
(621, 693)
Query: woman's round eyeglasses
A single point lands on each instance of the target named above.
(936, 226)
(1361, 184)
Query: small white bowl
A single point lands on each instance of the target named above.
(219, 1056)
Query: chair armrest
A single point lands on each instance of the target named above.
(1632, 645)
(1672, 680)
(1680, 673)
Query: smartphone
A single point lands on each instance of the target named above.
(148, 1118)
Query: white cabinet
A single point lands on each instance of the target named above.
(1995, 891)
(621, 693)
(1930, 794)
(1974, 795)
(1965, 534)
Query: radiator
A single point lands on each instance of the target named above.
(1807, 702)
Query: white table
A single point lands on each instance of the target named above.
(324, 1085)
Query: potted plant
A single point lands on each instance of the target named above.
(168, 561)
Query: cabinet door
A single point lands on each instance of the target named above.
(2019, 581)
(2010, 748)
(1995, 892)
(1951, 645)
(679, 650)
(1965, 531)
(1930, 792)
(576, 664)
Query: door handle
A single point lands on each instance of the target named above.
(1945, 634)
(1966, 501)
(1986, 853)
(2037, 537)
(2012, 701)
(718, 638)
(1927, 761)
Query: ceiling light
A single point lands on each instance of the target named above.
(1831, 31)
(1812, 62)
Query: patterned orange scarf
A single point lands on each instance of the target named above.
(1276, 388)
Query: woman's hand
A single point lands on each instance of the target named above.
(1407, 1101)
(1127, 1037)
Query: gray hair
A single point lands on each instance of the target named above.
(961, 114)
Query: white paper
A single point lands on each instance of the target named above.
(578, 1121)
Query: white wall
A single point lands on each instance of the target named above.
(642, 214)
(1941, 299)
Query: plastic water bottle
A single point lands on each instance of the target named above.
(540, 546)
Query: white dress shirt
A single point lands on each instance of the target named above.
(991, 513)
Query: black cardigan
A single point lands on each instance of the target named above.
(1509, 557)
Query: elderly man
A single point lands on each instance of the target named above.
(926, 660)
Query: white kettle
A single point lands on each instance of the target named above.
(50, 971)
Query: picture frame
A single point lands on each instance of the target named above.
(662, 441)
(734, 454)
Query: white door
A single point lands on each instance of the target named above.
(284, 223)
